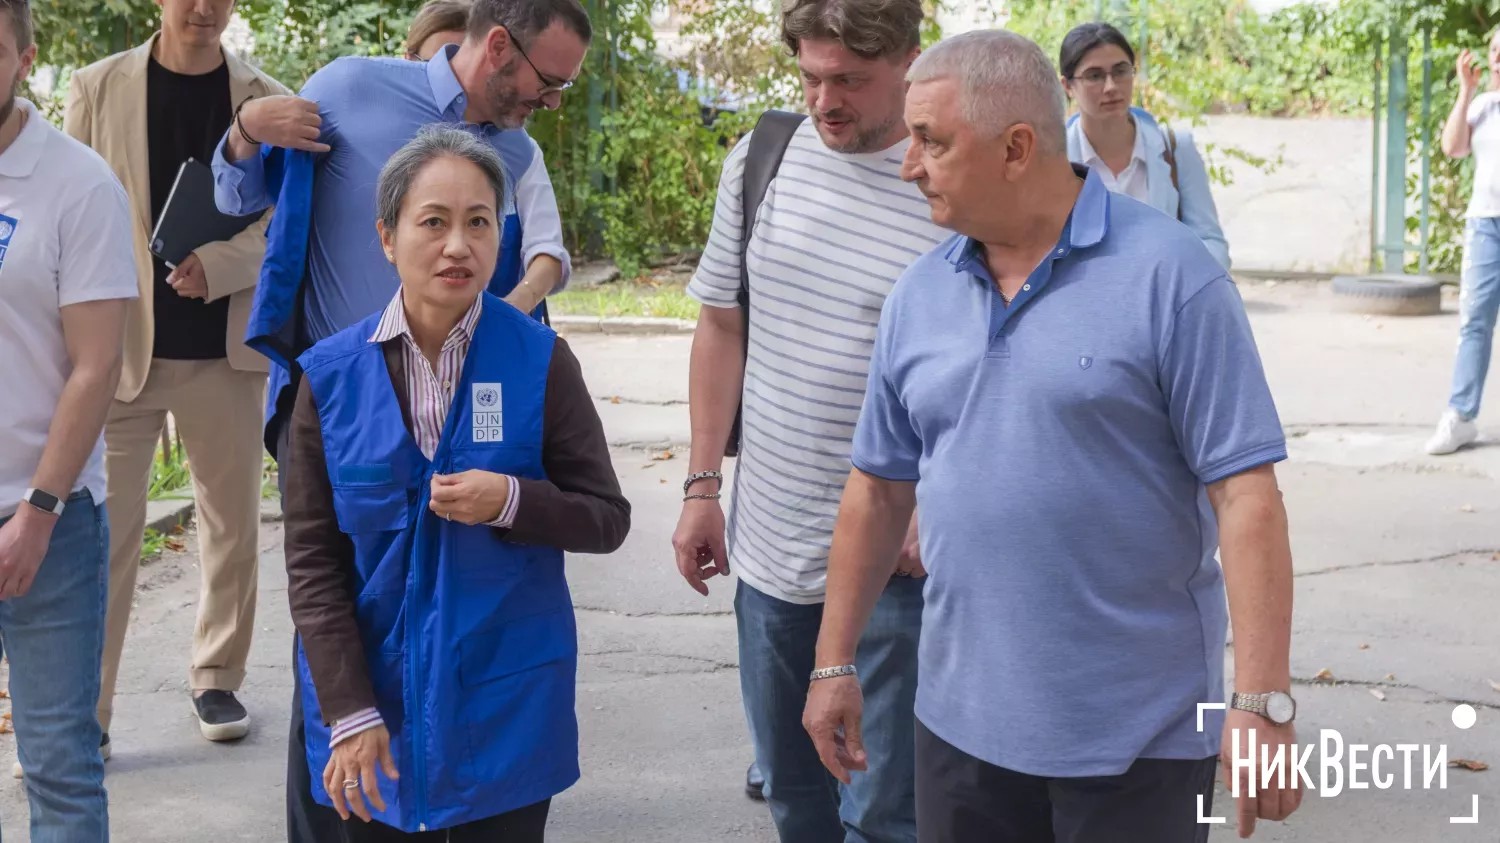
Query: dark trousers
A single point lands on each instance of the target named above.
(523, 825)
(961, 799)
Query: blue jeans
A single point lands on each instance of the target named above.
(54, 638)
(1478, 305)
(807, 803)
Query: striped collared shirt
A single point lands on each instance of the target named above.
(429, 396)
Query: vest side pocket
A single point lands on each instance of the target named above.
(518, 700)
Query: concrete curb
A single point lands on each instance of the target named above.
(625, 326)
(165, 515)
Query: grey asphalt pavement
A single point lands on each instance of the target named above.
(1397, 558)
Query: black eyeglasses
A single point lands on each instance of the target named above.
(550, 84)
(1095, 76)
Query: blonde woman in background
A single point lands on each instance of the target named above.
(438, 23)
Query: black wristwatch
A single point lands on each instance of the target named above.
(43, 501)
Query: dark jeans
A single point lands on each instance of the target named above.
(961, 799)
(523, 825)
(808, 805)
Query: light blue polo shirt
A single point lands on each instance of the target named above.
(1075, 614)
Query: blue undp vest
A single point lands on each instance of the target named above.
(470, 640)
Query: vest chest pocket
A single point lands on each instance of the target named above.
(369, 508)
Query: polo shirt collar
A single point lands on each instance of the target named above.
(1086, 226)
(20, 159)
(447, 94)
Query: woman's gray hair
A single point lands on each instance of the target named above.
(1004, 79)
(431, 143)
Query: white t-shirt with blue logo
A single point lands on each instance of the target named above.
(65, 238)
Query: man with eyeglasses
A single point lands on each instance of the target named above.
(317, 156)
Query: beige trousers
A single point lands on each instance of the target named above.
(218, 412)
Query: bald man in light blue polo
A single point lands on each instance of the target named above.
(1070, 388)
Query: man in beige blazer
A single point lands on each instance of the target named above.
(146, 111)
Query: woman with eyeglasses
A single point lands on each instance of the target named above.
(438, 24)
(1130, 151)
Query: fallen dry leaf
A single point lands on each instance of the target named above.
(1325, 674)
(615, 400)
(1364, 646)
(6, 728)
(177, 530)
(1476, 766)
(664, 455)
(1390, 677)
(1495, 558)
(4, 695)
(649, 465)
(175, 544)
(1377, 694)
(663, 480)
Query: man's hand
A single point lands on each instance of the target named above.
(1468, 72)
(909, 563)
(832, 717)
(285, 121)
(1270, 802)
(354, 761)
(189, 279)
(23, 543)
(469, 497)
(699, 543)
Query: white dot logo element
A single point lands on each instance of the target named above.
(1464, 716)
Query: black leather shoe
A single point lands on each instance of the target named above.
(755, 783)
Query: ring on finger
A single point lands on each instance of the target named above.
(351, 784)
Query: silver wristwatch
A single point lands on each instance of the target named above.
(831, 672)
(1276, 706)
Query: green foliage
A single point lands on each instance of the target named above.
(293, 38)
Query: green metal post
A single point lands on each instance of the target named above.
(1394, 246)
(1426, 145)
(1375, 157)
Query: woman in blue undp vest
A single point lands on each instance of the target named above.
(444, 454)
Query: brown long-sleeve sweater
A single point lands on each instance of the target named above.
(578, 508)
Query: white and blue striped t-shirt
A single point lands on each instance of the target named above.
(834, 233)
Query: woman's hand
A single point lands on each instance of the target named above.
(470, 497)
(1468, 71)
(352, 767)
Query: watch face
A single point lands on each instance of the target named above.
(1280, 707)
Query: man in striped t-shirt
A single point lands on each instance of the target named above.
(836, 228)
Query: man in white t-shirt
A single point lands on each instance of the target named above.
(1474, 126)
(66, 271)
(836, 228)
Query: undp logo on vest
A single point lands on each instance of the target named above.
(488, 424)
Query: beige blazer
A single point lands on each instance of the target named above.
(106, 109)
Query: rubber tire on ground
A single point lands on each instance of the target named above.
(1388, 295)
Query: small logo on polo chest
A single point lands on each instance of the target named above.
(1085, 362)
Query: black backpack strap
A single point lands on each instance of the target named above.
(768, 143)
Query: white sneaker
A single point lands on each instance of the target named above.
(15, 770)
(1453, 432)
